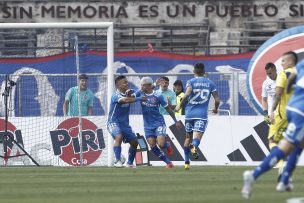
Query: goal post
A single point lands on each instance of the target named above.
(108, 28)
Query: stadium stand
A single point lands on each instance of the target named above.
(195, 38)
(256, 33)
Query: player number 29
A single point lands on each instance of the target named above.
(200, 96)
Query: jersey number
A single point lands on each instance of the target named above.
(200, 96)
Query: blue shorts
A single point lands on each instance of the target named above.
(155, 132)
(295, 129)
(199, 125)
(125, 130)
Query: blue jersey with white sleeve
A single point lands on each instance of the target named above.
(150, 109)
(197, 107)
(296, 101)
(119, 113)
(295, 110)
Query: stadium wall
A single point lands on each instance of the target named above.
(241, 25)
(219, 12)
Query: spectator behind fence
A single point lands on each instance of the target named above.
(168, 94)
(179, 91)
(70, 105)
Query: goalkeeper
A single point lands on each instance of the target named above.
(268, 94)
(70, 105)
(269, 90)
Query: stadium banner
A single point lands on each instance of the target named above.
(241, 140)
(54, 141)
(125, 62)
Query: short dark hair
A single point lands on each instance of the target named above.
(293, 54)
(269, 66)
(83, 77)
(118, 78)
(178, 82)
(199, 68)
(165, 78)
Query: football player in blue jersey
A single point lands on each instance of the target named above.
(154, 123)
(198, 92)
(291, 144)
(118, 121)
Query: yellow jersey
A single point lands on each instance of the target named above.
(281, 81)
(179, 99)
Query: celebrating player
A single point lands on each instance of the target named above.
(154, 123)
(118, 121)
(198, 92)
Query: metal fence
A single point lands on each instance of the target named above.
(43, 95)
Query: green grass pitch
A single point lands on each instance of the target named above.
(141, 185)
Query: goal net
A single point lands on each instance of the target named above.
(44, 118)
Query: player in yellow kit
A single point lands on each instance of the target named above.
(277, 116)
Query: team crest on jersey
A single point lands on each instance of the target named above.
(66, 142)
(152, 99)
(271, 51)
(85, 98)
